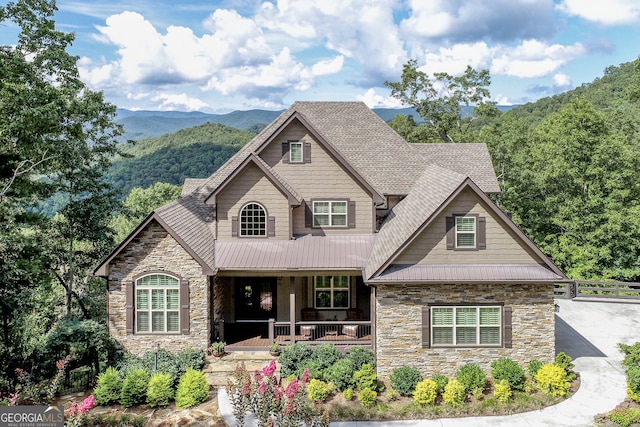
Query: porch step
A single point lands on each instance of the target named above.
(220, 369)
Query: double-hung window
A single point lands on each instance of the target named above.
(157, 304)
(466, 326)
(295, 152)
(329, 213)
(465, 232)
(331, 291)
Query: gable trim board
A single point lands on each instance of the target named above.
(466, 184)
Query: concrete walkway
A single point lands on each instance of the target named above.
(589, 332)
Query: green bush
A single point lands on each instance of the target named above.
(114, 420)
(564, 361)
(633, 383)
(404, 379)
(348, 394)
(134, 388)
(472, 377)
(366, 377)
(631, 355)
(317, 391)
(392, 394)
(360, 356)
(441, 382)
(316, 370)
(552, 380)
(160, 391)
(502, 391)
(454, 393)
(326, 355)
(625, 416)
(341, 374)
(534, 367)
(293, 357)
(367, 397)
(507, 369)
(425, 393)
(192, 389)
(108, 387)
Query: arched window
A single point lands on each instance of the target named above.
(253, 221)
(157, 304)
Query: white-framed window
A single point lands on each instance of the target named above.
(465, 228)
(466, 326)
(295, 152)
(329, 213)
(253, 221)
(331, 291)
(157, 304)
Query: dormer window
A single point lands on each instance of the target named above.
(253, 221)
(295, 152)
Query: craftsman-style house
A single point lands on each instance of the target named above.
(328, 227)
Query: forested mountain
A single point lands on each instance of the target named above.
(195, 152)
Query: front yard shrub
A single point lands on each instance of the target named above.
(502, 391)
(348, 394)
(552, 380)
(115, 420)
(108, 388)
(392, 394)
(454, 393)
(404, 379)
(366, 377)
(441, 382)
(326, 355)
(625, 416)
(633, 383)
(293, 357)
(317, 391)
(472, 377)
(360, 356)
(509, 370)
(534, 367)
(341, 374)
(134, 388)
(564, 361)
(367, 397)
(425, 393)
(192, 389)
(160, 391)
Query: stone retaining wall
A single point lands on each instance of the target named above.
(155, 250)
(399, 326)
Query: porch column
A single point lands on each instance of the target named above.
(292, 309)
(373, 316)
(218, 305)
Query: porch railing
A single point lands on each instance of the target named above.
(351, 332)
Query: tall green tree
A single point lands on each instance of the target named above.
(56, 137)
(439, 99)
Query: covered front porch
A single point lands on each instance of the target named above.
(252, 312)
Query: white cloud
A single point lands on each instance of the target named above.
(168, 102)
(373, 100)
(328, 66)
(610, 12)
(534, 58)
(562, 80)
(454, 60)
(501, 99)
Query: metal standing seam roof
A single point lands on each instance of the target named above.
(465, 273)
(332, 252)
(429, 192)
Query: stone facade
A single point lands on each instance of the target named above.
(399, 326)
(154, 250)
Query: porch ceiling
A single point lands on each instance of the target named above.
(469, 273)
(334, 252)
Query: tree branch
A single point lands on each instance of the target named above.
(18, 171)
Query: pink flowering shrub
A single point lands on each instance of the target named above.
(75, 415)
(270, 400)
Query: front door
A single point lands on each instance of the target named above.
(255, 298)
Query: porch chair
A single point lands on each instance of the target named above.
(352, 331)
(308, 314)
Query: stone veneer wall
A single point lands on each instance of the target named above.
(399, 326)
(154, 249)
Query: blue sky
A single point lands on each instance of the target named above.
(219, 56)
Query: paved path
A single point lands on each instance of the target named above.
(589, 332)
